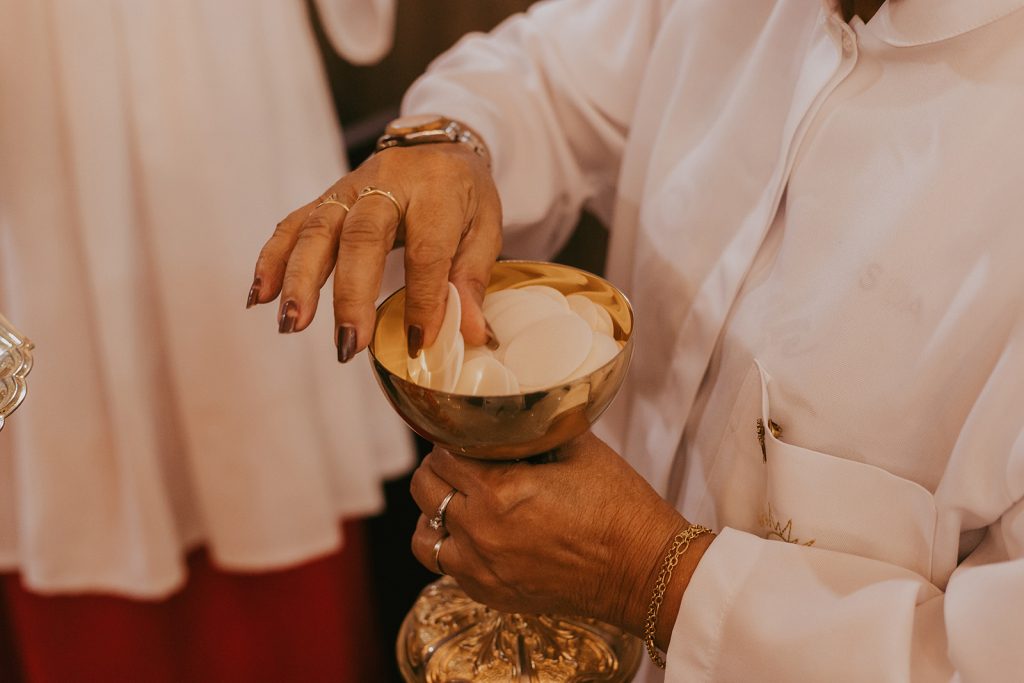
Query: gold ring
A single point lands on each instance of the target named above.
(332, 198)
(370, 190)
(437, 555)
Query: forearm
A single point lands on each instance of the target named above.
(551, 92)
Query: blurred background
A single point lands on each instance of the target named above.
(207, 566)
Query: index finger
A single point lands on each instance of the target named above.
(468, 475)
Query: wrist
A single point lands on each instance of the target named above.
(420, 129)
(676, 587)
(648, 543)
(675, 570)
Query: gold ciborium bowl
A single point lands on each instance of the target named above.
(514, 426)
(447, 637)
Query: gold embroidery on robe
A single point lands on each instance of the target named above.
(777, 530)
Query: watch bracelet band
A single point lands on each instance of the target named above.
(454, 132)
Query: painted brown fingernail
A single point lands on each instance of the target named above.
(254, 293)
(415, 340)
(346, 343)
(492, 339)
(288, 316)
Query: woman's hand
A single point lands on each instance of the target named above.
(450, 223)
(583, 535)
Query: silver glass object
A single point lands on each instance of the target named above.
(15, 364)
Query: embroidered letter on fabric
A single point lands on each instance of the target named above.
(775, 529)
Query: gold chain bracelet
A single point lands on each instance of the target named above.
(679, 546)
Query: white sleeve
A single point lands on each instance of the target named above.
(765, 610)
(552, 93)
(771, 611)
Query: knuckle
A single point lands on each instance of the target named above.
(504, 500)
(283, 230)
(316, 228)
(361, 229)
(470, 280)
(421, 302)
(422, 307)
(428, 255)
(294, 282)
(416, 483)
(351, 299)
(267, 261)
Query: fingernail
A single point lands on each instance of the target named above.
(346, 343)
(288, 315)
(254, 293)
(492, 339)
(415, 340)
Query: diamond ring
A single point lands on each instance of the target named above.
(437, 521)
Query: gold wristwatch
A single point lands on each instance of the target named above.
(418, 129)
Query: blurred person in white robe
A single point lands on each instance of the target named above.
(140, 143)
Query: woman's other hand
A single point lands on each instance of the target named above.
(447, 213)
(583, 535)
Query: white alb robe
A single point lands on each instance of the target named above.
(147, 148)
(819, 224)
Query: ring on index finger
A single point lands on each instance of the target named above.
(437, 521)
(371, 190)
(332, 198)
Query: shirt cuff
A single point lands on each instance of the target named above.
(697, 634)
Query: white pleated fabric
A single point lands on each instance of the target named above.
(147, 148)
(818, 224)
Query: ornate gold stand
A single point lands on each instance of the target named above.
(449, 638)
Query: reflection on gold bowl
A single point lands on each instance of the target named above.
(505, 427)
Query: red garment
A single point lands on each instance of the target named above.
(306, 624)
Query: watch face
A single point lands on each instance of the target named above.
(416, 122)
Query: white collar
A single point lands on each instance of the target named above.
(905, 23)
